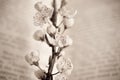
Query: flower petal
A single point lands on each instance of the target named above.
(44, 9)
(39, 19)
(64, 65)
(60, 77)
(64, 41)
(67, 13)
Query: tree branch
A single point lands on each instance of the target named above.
(54, 53)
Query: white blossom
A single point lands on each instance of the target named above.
(40, 74)
(39, 19)
(64, 65)
(53, 20)
(44, 9)
(67, 13)
(39, 35)
(43, 13)
(32, 58)
(64, 41)
(60, 77)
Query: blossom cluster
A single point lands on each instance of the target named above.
(54, 36)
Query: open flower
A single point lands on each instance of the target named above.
(67, 13)
(44, 9)
(39, 19)
(32, 58)
(60, 77)
(39, 35)
(43, 13)
(64, 41)
(64, 65)
(59, 41)
(40, 74)
(68, 16)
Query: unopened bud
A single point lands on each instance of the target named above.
(39, 35)
(38, 6)
(51, 30)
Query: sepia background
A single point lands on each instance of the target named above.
(95, 52)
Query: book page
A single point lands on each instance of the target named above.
(96, 49)
(16, 40)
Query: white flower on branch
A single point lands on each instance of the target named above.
(60, 77)
(39, 35)
(68, 17)
(44, 9)
(64, 41)
(64, 65)
(40, 74)
(47, 17)
(67, 13)
(39, 20)
(33, 58)
(43, 13)
(59, 41)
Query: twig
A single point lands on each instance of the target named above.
(56, 73)
(54, 53)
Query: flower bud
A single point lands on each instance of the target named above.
(38, 6)
(68, 22)
(39, 35)
(51, 30)
(32, 58)
(63, 3)
(40, 74)
(64, 41)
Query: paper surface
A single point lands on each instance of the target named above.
(96, 34)
(16, 40)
